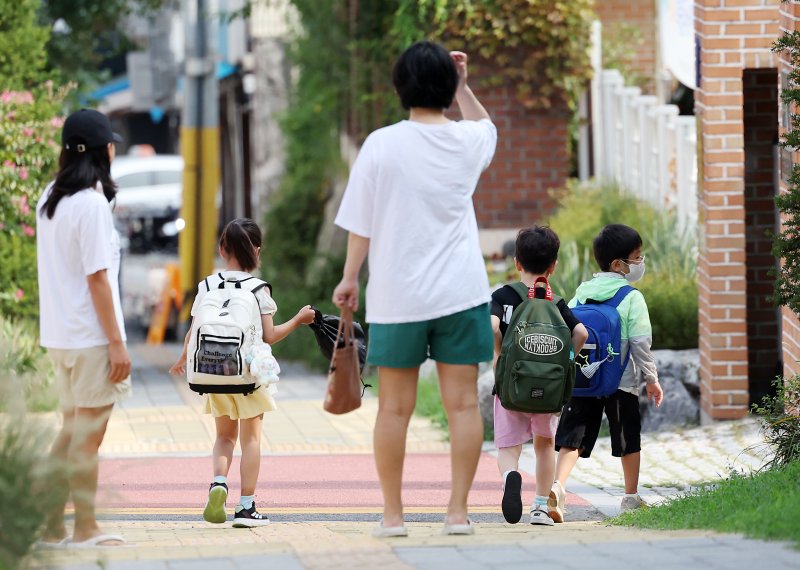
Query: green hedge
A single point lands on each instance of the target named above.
(28, 157)
(670, 283)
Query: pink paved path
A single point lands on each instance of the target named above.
(336, 481)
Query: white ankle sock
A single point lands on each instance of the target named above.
(505, 476)
(246, 501)
(221, 479)
(632, 495)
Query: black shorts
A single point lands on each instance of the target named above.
(580, 423)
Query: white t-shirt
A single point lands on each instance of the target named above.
(266, 304)
(410, 191)
(78, 241)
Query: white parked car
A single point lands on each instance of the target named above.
(147, 216)
(148, 201)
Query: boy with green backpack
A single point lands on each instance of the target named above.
(536, 336)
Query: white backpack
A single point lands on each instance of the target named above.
(227, 323)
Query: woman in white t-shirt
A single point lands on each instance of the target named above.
(80, 316)
(408, 206)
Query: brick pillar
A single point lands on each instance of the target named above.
(733, 35)
(790, 20)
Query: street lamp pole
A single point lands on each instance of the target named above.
(200, 147)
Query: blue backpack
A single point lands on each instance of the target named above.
(599, 367)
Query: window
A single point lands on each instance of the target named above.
(168, 177)
(135, 179)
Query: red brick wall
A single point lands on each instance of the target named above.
(642, 15)
(760, 133)
(733, 35)
(790, 20)
(532, 158)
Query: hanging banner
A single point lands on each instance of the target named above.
(676, 37)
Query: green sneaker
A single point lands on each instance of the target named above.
(215, 507)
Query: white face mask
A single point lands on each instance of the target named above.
(636, 271)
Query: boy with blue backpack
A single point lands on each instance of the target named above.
(614, 359)
(536, 337)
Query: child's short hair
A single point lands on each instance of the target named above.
(615, 241)
(537, 248)
(240, 238)
(425, 76)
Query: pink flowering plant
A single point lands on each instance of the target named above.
(30, 127)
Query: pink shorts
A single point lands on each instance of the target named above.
(516, 428)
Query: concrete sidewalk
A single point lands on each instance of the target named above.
(349, 545)
(320, 488)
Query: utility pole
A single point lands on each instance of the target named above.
(200, 147)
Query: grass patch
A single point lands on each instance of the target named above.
(765, 505)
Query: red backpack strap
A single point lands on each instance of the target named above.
(548, 295)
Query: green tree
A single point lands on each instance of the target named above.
(22, 44)
(787, 241)
(87, 33)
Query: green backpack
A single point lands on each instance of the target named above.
(535, 372)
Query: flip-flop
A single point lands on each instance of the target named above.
(49, 545)
(381, 531)
(95, 542)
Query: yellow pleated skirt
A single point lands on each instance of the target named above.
(239, 406)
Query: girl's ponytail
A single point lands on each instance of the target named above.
(240, 238)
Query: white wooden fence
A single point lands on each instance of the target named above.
(646, 147)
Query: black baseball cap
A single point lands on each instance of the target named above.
(87, 129)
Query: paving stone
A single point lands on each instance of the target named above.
(203, 564)
(276, 561)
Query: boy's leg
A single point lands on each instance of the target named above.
(397, 396)
(222, 455)
(577, 433)
(625, 424)
(508, 458)
(545, 464)
(567, 458)
(508, 464)
(630, 470)
(250, 441)
(458, 384)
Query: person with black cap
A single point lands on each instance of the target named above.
(80, 316)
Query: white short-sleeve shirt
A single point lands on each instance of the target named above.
(410, 192)
(78, 241)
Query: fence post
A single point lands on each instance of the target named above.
(596, 100)
(611, 81)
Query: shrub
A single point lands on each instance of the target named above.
(780, 422)
(28, 158)
(670, 284)
(26, 376)
(28, 489)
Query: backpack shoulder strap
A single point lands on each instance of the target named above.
(520, 289)
(261, 285)
(620, 296)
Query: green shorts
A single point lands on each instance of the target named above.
(461, 338)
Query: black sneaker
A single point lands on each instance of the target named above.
(248, 518)
(512, 498)
(215, 507)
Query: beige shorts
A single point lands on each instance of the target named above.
(82, 378)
